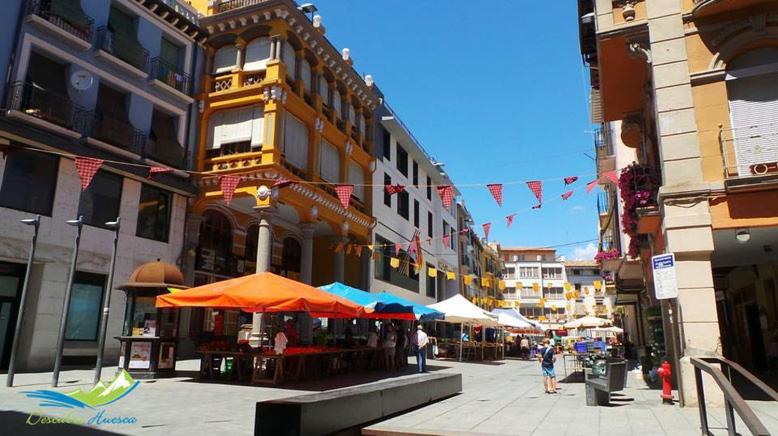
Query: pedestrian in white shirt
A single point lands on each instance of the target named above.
(420, 341)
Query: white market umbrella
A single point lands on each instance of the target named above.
(588, 322)
(458, 310)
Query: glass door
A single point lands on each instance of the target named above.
(11, 277)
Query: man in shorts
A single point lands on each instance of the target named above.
(547, 359)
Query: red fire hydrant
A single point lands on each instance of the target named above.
(667, 385)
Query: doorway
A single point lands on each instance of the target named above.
(11, 278)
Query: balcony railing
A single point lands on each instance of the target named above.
(602, 143)
(166, 151)
(169, 74)
(44, 104)
(235, 4)
(117, 132)
(63, 15)
(123, 47)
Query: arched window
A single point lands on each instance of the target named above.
(753, 105)
(214, 248)
(225, 59)
(291, 256)
(257, 54)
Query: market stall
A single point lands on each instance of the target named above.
(459, 310)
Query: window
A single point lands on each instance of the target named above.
(112, 102)
(387, 197)
(453, 238)
(18, 193)
(403, 205)
(289, 57)
(529, 272)
(402, 160)
(429, 188)
(164, 139)
(236, 125)
(336, 104)
(85, 307)
(225, 59)
(100, 202)
(257, 54)
(305, 75)
(415, 174)
(170, 54)
(445, 228)
(552, 273)
(510, 272)
(296, 142)
(430, 228)
(44, 97)
(387, 140)
(123, 41)
(324, 90)
(404, 276)
(431, 283)
(154, 213)
(416, 213)
(329, 162)
(356, 176)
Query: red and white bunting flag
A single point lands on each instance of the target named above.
(570, 180)
(567, 195)
(282, 182)
(87, 168)
(158, 170)
(394, 189)
(487, 227)
(412, 249)
(228, 185)
(509, 219)
(446, 193)
(344, 194)
(591, 185)
(496, 190)
(536, 186)
(447, 240)
(611, 175)
(397, 247)
(537, 206)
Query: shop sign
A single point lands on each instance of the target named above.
(665, 283)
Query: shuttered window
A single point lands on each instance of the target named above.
(290, 60)
(753, 103)
(257, 54)
(336, 104)
(324, 90)
(329, 162)
(225, 59)
(351, 113)
(305, 74)
(356, 177)
(236, 125)
(296, 142)
(169, 53)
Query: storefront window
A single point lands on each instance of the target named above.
(85, 307)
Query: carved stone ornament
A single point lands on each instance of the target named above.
(627, 9)
(639, 49)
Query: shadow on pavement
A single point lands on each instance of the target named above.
(15, 423)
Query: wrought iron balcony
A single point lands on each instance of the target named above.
(116, 132)
(63, 15)
(41, 103)
(123, 47)
(170, 74)
(168, 152)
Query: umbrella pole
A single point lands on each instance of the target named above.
(461, 333)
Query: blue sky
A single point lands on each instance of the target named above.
(496, 91)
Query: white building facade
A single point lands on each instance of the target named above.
(535, 282)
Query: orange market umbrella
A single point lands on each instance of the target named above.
(263, 292)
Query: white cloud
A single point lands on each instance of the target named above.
(585, 253)
(577, 208)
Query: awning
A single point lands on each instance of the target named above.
(587, 322)
(458, 310)
(421, 311)
(512, 318)
(263, 292)
(380, 307)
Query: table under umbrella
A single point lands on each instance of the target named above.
(264, 293)
(382, 307)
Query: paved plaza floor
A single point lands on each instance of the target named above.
(498, 398)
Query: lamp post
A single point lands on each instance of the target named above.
(35, 222)
(78, 224)
(114, 225)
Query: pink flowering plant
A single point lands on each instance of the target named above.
(607, 255)
(638, 186)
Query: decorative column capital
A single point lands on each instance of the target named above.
(640, 50)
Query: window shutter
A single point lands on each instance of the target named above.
(753, 103)
(225, 59)
(296, 142)
(324, 90)
(356, 177)
(257, 54)
(305, 73)
(169, 53)
(329, 162)
(351, 113)
(235, 125)
(121, 23)
(290, 59)
(336, 105)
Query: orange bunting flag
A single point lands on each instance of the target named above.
(487, 227)
(228, 185)
(451, 275)
(467, 280)
(344, 194)
(358, 250)
(394, 262)
(432, 272)
(509, 219)
(484, 282)
(536, 287)
(501, 285)
(496, 190)
(348, 248)
(87, 168)
(339, 247)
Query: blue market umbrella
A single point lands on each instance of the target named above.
(377, 305)
(421, 311)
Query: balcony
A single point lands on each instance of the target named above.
(118, 135)
(229, 5)
(170, 75)
(707, 8)
(166, 151)
(606, 160)
(123, 51)
(236, 80)
(61, 18)
(33, 103)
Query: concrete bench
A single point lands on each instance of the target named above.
(341, 409)
(599, 388)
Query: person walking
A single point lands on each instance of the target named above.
(547, 358)
(420, 341)
(390, 342)
(524, 346)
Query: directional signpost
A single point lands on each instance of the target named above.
(665, 282)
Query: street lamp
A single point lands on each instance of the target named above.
(35, 222)
(113, 225)
(78, 224)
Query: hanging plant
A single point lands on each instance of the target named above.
(638, 186)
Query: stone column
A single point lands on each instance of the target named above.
(304, 324)
(264, 256)
(686, 216)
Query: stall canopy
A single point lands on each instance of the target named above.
(458, 310)
(513, 313)
(381, 307)
(587, 322)
(264, 292)
(511, 318)
(421, 312)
